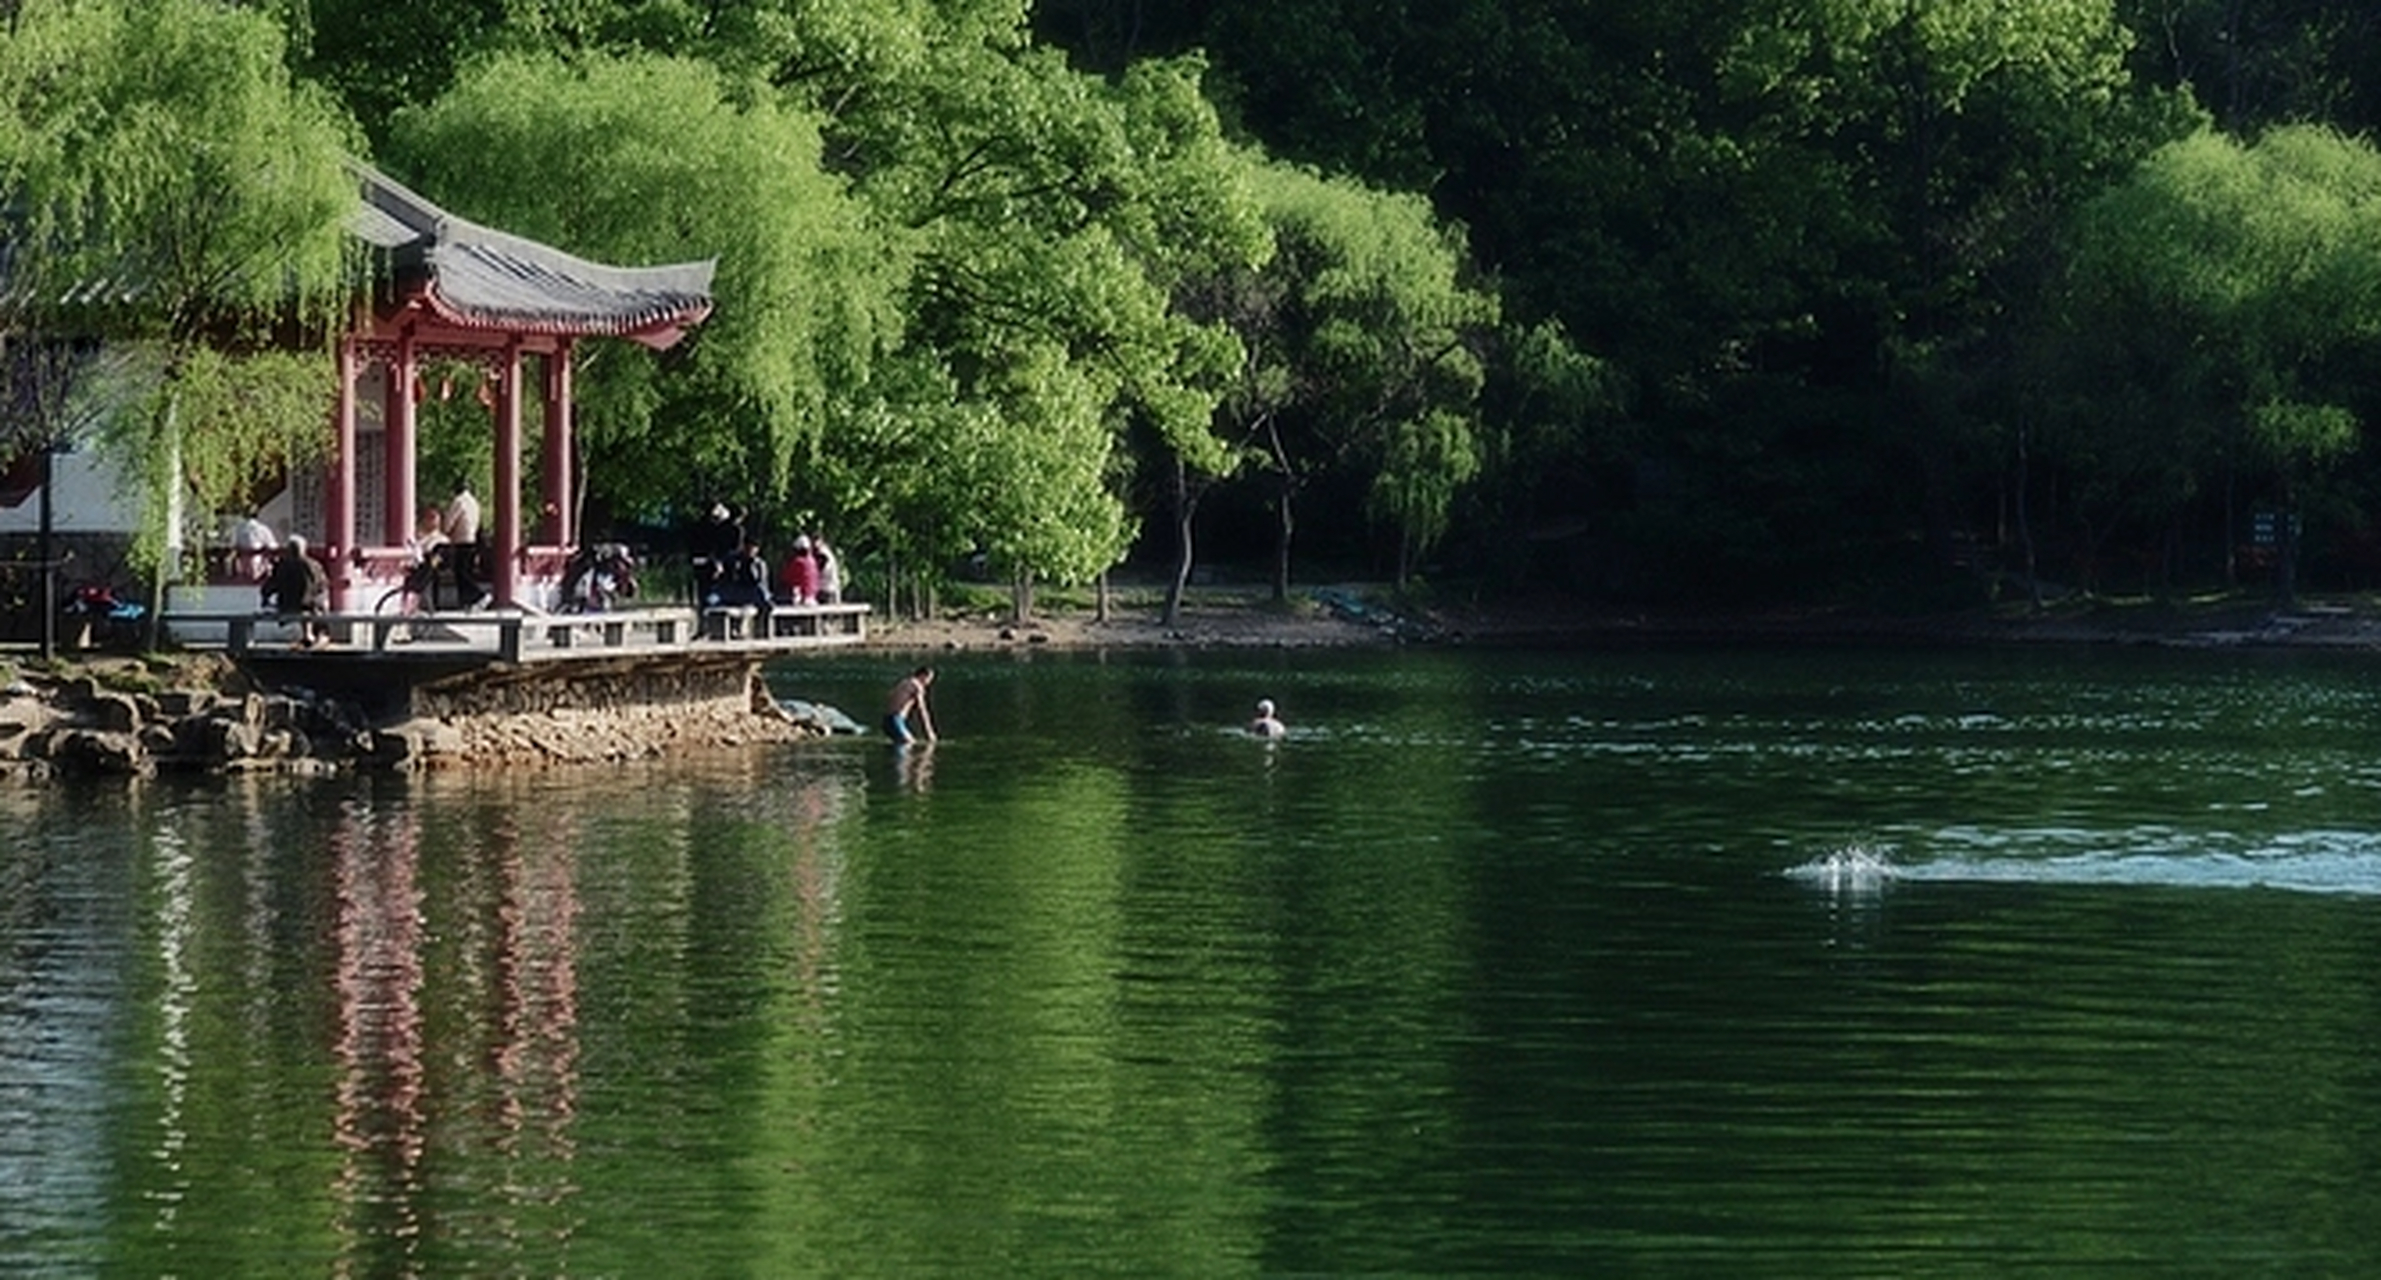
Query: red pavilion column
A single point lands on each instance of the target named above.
(508, 478)
(561, 480)
(339, 502)
(401, 492)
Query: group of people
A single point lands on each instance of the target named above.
(730, 570)
(445, 544)
(293, 584)
(290, 582)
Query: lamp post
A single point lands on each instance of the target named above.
(44, 550)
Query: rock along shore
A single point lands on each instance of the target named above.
(138, 716)
(202, 713)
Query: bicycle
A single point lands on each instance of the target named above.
(417, 591)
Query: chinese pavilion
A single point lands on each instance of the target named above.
(452, 290)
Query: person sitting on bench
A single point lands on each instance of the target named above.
(298, 588)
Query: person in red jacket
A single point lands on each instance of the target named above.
(799, 577)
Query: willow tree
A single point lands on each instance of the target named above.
(1047, 217)
(2262, 261)
(653, 159)
(1768, 217)
(48, 400)
(173, 191)
(1363, 330)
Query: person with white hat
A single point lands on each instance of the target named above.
(799, 576)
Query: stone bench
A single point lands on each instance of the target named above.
(613, 629)
(239, 624)
(514, 633)
(784, 622)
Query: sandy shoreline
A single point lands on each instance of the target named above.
(1201, 627)
(1307, 623)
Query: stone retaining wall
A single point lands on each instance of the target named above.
(127, 719)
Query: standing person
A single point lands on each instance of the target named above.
(252, 547)
(1267, 725)
(462, 538)
(909, 695)
(830, 572)
(800, 574)
(298, 588)
(711, 547)
(744, 583)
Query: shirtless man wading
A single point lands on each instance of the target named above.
(909, 696)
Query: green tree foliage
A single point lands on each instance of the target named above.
(170, 184)
(1772, 221)
(643, 159)
(1788, 284)
(379, 58)
(2238, 289)
(1049, 217)
(259, 414)
(1363, 334)
(984, 286)
(2252, 65)
(164, 173)
(1557, 443)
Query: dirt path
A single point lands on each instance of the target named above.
(1354, 616)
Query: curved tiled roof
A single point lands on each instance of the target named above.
(476, 277)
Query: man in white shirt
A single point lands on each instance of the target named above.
(462, 536)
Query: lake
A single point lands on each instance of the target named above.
(1801, 964)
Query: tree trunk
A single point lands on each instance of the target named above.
(1099, 611)
(2286, 548)
(168, 555)
(1186, 504)
(2231, 532)
(1288, 523)
(2025, 518)
(1021, 597)
(1281, 543)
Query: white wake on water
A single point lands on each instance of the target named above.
(2325, 862)
(1854, 869)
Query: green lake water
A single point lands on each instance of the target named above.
(1802, 964)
